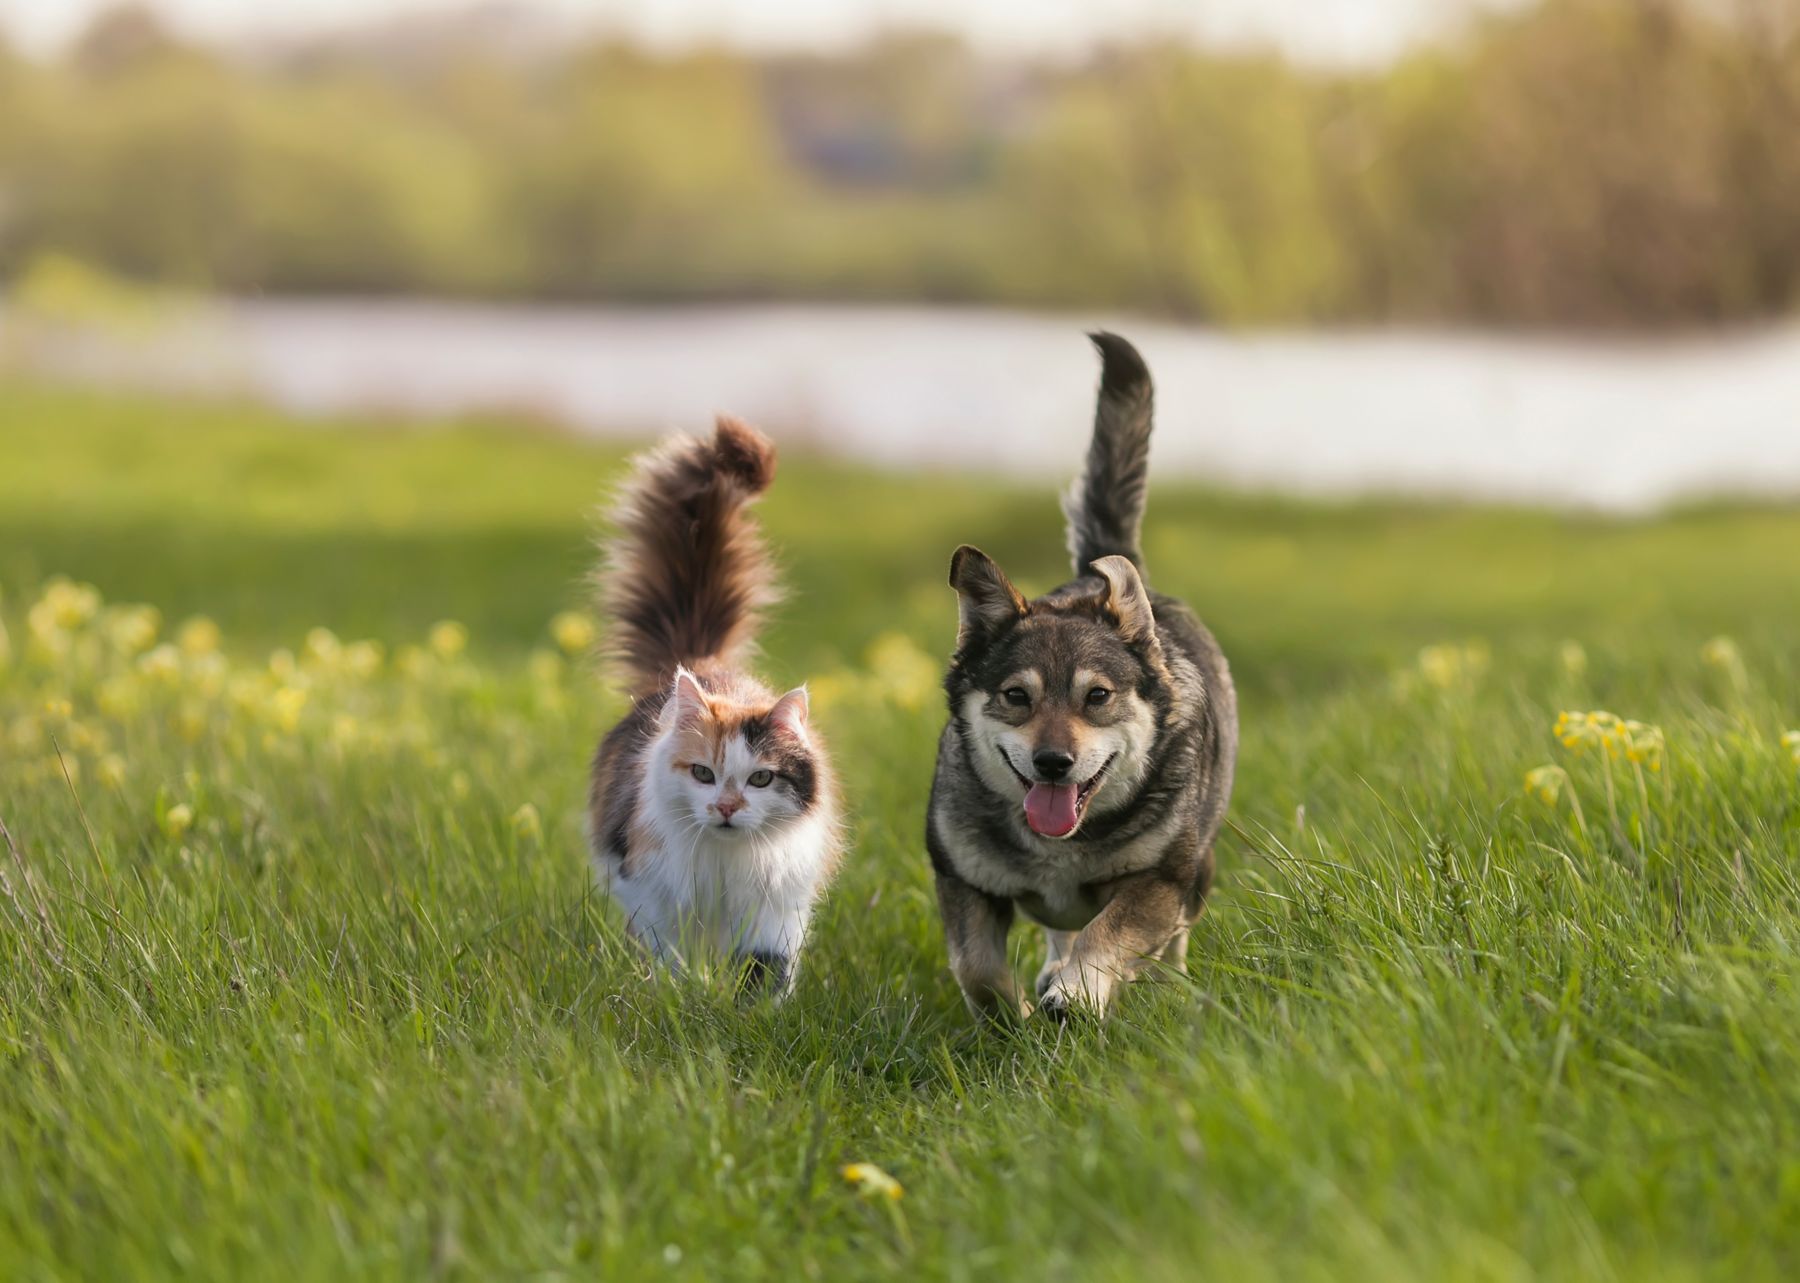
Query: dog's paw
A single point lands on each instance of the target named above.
(1067, 995)
(996, 1006)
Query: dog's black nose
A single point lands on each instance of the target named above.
(1051, 763)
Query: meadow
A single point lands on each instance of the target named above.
(302, 975)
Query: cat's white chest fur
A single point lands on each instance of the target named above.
(723, 893)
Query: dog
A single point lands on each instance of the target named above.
(1088, 759)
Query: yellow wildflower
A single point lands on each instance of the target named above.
(58, 710)
(1791, 741)
(87, 739)
(573, 631)
(344, 730)
(447, 639)
(362, 659)
(1720, 652)
(828, 690)
(283, 666)
(206, 674)
(1546, 783)
(246, 691)
(119, 697)
(198, 636)
(1723, 656)
(526, 824)
(162, 663)
(871, 1182)
(1582, 731)
(111, 770)
(132, 629)
(285, 705)
(1572, 655)
(903, 673)
(64, 606)
(1453, 664)
(176, 821)
(322, 647)
(1643, 744)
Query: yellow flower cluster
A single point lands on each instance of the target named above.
(1791, 742)
(526, 823)
(1722, 655)
(871, 1182)
(176, 821)
(1636, 742)
(573, 631)
(1454, 664)
(109, 695)
(447, 639)
(896, 671)
(1546, 783)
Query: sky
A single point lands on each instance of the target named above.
(1337, 31)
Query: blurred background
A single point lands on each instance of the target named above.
(1538, 250)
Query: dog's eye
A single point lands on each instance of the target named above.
(702, 773)
(1017, 696)
(761, 779)
(1099, 695)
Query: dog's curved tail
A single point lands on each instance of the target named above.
(686, 574)
(1105, 505)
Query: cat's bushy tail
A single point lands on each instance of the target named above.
(686, 576)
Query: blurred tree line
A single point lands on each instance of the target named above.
(1580, 163)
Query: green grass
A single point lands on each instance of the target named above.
(359, 1021)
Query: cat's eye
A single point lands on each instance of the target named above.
(761, 779)
(702, 773)
(1099, 695)
(1017, 696)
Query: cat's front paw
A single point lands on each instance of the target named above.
(766, 973)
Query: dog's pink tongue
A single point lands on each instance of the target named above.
(1050, 809)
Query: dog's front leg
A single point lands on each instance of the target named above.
(1144, 913)
(975, 926)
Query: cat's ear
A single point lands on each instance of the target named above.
(688, 699)
(790, 713)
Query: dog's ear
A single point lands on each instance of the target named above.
(985, 596)
(1127, 600)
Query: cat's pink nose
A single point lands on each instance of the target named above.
(729, 807)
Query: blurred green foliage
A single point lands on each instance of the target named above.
(1583, 162)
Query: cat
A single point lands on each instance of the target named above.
(713, 812)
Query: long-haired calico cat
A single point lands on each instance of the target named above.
(714, 820)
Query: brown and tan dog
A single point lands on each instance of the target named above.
(1088, 761)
